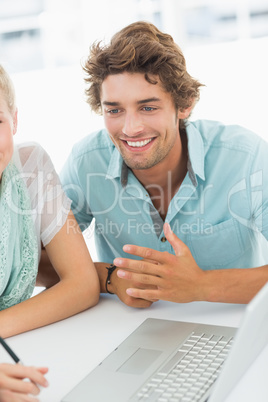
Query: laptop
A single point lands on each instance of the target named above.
(178, 361)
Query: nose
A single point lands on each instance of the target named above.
(132, 125)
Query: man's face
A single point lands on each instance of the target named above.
(141, 120)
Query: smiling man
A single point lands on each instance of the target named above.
(179, 207)
(145, 132)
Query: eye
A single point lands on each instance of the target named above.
(113, 111)
(148, 108)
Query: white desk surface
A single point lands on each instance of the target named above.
(73, 347)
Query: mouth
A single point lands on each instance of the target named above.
(138, 145)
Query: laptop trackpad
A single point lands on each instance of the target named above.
(139, 361)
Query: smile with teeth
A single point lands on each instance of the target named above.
(138, 144)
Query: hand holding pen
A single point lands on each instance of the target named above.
(13, 388)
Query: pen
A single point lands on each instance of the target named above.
(10, 351)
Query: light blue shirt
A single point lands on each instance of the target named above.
(220, 211)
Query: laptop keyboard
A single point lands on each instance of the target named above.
(189, 374)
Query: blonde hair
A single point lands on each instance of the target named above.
(7, 88)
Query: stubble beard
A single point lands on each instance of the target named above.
(156, 157)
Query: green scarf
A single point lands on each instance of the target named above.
(18, 242)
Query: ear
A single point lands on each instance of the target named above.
(185, 113)
(15, 122)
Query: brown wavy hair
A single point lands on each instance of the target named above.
(141, 48)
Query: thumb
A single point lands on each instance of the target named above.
(42, 370)
(176, 243)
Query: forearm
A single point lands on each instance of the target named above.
(232, 285)
(65, 299)
(47, 276)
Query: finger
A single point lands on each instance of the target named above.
(151, 281)
(37, 375)
(138, 266)
(137, 302)
(32, 373)
(23, 387)
(18, 385)
(9, 396)
(151, 261)
(25, 398)
(145, 252)
(143, 293)
(42, 370)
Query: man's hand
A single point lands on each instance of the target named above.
(13, 388)
(175, 278)
(119, 287)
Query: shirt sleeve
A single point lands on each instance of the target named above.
(73, 179)
(50, 204)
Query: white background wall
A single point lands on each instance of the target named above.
(53, 111)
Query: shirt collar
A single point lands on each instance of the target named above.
(118, 168)
(196, 153)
